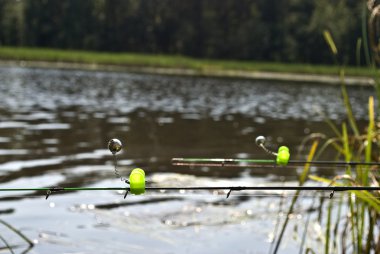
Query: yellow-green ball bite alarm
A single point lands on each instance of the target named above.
(282, 155)
(136, 178)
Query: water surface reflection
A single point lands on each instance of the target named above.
(54, 128)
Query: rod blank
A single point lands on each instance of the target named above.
(195, 188)
(219, 162)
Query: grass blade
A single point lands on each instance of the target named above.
(9, 247)
(365, 34)
(336, 227)
(358, 48)
(310, 157)
(26, 239)
(346, 148)
(347, 105)
(328, 226)
(302, 179)
(333, 127)
(330, 42)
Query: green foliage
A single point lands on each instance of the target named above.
(364, 206)
(200, 66)
(261, 30)
(356, 230)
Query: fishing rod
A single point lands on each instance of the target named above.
(138, 187)
(137, 182)
(221, 162)
(282, 159)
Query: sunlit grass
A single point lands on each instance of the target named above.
(168, 61)
(357, 227)
(363, 206)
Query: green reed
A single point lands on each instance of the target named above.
(350, 224)
(356, 229)
(301, 181)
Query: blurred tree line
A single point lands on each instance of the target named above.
(264, 30)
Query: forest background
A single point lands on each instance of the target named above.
(288, 31)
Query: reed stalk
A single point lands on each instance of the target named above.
(18, 232)
(301, 181)
(7, 245)
(358, 233)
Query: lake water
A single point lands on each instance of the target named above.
(54, 129)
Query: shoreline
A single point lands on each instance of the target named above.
(213, 73)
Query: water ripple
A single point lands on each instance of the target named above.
(202, 96)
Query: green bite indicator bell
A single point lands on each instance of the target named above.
(137, 181)
(283, 156)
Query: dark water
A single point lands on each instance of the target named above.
(54, 128)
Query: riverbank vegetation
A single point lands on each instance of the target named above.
(249, 35)
(288, 31)
(168, 61)
(349, 225)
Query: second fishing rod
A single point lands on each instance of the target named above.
(282, 158)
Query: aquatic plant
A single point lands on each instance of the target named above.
(355, 231)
